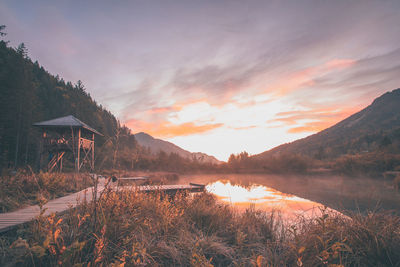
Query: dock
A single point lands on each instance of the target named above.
(13, 219)
(138, 178)
(169, 189)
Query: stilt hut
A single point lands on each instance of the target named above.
(65, 135)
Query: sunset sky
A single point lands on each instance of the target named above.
(218, 77)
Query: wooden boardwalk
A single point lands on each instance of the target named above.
(169, 189)
(138, 178)
(12, 219)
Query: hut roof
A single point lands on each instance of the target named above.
(67, 121)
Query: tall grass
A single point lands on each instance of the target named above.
(396, 183)
(134, 229)
(27, 188)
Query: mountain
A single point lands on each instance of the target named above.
(157, 145)
(374, 128)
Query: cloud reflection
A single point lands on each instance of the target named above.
(264, 198)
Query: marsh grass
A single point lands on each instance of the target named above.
(27, 188)
(396, 183)
(134, 229)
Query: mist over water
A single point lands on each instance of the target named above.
(264, 198)
(336, 192)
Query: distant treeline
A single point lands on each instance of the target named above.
(372, 164)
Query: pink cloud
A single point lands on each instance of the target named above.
(306, 77)
(317, 119)
(167, 129)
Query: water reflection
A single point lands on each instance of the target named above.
(264, 198)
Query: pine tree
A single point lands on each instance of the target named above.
(22, 50)
(2, 33)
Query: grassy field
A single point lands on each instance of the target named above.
(133, 229)
(27, 188)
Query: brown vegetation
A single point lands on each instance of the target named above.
(371, 164)
(151, 230)
(26, 188)
(396, 183)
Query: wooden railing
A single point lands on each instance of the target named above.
(57, 144)
(86, 143)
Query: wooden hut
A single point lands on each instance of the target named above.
(66, 135)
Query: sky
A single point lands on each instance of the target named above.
(218, 77)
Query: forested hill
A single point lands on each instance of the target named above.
(375, 128)
(156, 145)
(30, 94)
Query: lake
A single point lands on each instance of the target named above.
(264, 198)
(300, 194)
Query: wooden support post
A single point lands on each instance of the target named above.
(79, 151)
(92, 153)
(40, 151)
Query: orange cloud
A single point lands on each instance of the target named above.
(315, 126)
(166, 129)
(306, 76)
(316, 119)
(161, 110)
(244, 127)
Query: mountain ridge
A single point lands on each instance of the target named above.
(363, 131)
(156, 145)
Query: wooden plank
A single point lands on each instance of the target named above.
(138, 178)
(163, 188)
(24, 215)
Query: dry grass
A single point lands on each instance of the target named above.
(396, 183)
(27, 188)
(134, 229)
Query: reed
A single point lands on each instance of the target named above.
(134, 229)
(27, 188)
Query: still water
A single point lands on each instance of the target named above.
(264, 198)
(302, 194)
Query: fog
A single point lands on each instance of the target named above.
(337, 192)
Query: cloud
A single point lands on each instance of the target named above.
(216, 83)
(306, 77)
(167, 129)
(314, 120)
(160, 110)
(244, 127)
